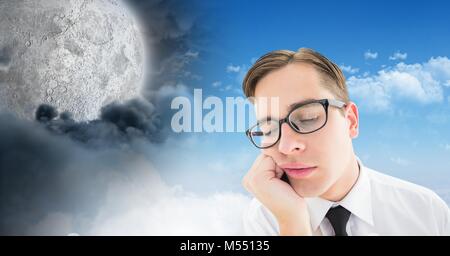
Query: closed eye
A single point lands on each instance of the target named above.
(309, 120)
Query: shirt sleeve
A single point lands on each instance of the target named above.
(445, 219)
(259, 221)
(446, 229)
(442, 215)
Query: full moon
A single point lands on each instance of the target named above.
(77, 55)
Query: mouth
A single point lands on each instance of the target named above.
(298, 170)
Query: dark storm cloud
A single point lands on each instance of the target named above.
(45, 113)
(43, 174)
(32, 167)
(117, 125)
(56, 165)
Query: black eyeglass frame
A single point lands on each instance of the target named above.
(324, 102)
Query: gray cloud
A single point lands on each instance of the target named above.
(35, 181)
(55, 172)
(118, 124)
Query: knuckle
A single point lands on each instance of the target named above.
(244, 182)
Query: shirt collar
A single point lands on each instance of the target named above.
(357, 201)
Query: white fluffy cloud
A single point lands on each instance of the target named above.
(170, 211)
(398, 56)
(232, 68)
(400, 161)
(142, 203)
(237, 76)
(418, 82)
(145, 205)
(368, 55)
(349, 69)
(216, 84)
(226, 88)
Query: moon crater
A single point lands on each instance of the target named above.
(76, 55)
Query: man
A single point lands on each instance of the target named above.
(307, 179)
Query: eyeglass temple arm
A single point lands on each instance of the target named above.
(258, 133)
(336, 103)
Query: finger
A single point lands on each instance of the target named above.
(267, 163)
(266, 169)
(263, 170)
(256, 167)
(246, 185)
(257, 161)
(247, 179)
(255, 164)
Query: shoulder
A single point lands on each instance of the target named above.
(409, 199)
(393, 186)
(258, 220)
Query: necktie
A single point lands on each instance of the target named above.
(338, 217)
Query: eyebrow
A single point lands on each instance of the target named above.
(296, 104)
(290, 108)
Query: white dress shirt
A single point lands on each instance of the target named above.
(379, 205)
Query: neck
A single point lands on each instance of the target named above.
(345, 183)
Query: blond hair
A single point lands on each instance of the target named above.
(332, 77)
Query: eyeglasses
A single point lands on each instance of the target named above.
(306, 117)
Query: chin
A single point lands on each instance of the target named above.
(308, 192)
(304, 190)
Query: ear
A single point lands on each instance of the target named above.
(351, 114)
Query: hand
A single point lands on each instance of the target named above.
(290, 210)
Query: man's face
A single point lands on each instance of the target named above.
(330, 148)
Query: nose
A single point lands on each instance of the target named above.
(290, 141)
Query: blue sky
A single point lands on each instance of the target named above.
(395, 56)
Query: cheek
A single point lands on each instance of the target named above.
(322, 140)
(328, 142)
(337, 145)
(335, 130)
